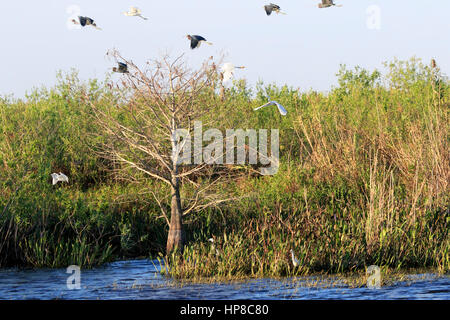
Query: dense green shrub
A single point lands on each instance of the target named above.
(364, 180)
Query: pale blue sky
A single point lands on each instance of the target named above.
(303, 48)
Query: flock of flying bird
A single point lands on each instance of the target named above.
(227, 70)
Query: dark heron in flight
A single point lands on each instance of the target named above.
(123, 68)
(272, 8)
(196, 41)
(328, 3)
(85, 21)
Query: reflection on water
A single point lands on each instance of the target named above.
(140, 279)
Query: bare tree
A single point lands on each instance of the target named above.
(141, 120)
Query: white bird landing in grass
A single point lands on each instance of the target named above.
(281, 109)
(227, 71)
(59, 177)
(295, 261)
(327, 4)
(135, 12)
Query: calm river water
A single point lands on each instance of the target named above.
(140, 279)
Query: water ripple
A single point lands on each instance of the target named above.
(140, 279)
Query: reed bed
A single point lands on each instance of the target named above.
(364, 179)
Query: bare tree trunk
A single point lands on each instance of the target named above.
(175, 239)
(163, 99)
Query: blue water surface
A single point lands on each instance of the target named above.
(141, 279)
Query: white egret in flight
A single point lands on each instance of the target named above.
(281, 109)
(59, 177)
(227, 71)
(328, 3)
(272, 8)
(135, 12)
(85, 21)
(295, 261)
(196, 40)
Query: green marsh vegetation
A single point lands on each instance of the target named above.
(364, 179)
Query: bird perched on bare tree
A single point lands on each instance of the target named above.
(135, 12)
(147, 138)
(227, 71)
(123, 68)
(196, 40)
(85, 21)
(328, 3)
(272, 8)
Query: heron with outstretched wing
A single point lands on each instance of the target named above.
(122, 68)
(56, 177)
(269, 8)
(281, 109)
(227, 71)
(86, 21)
(134, 12)
(196, 41)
